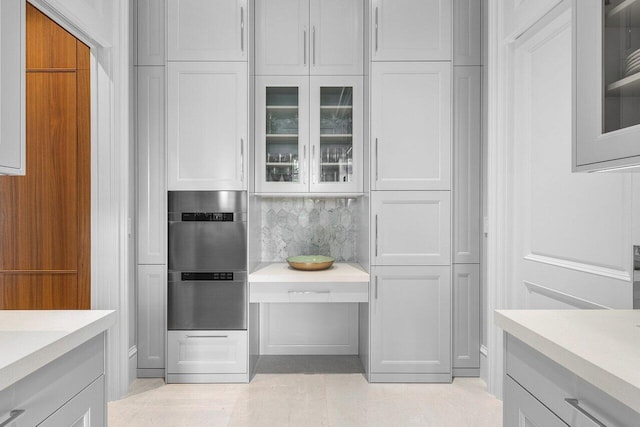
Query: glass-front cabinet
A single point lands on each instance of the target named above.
(309, 134)
(606, 84)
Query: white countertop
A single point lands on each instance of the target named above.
(30, 339)
(600, 346)
(281, 273)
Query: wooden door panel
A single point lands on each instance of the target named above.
(42, 35)
(38, 291)
(45, 246)
(39, 210)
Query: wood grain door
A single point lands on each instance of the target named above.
(45, 215)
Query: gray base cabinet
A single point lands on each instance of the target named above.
(525, 410)
(411, 321)
(152, 302)
(540, 392)
(70, 391)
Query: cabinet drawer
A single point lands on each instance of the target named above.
(553, 384)
(309, 292)
(41, 393)
(523, 409)
(207, 352)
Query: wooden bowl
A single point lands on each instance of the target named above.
(310, 262)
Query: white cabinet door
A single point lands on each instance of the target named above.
(522, 409)
(204, 30)
(466, 316)
(282, 37)
(606, 102)
(336, 125)
(207, 126)
(411, 320)
(12, 87)
(282, 134)
(467, 32)
(152, 302)
(411, 30)
(86, 409)
(411, 126)
(207, 352)
(411, 227)
(467, 138)
(337, 37)
(150, 32)
(152, 191)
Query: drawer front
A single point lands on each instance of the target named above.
(309, 292)
(524, 410)
(41, 393)
(555, 386)
(207, 352)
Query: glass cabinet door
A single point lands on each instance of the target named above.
(621, 64)
(336, 140)
(606, 79)
(281, 135)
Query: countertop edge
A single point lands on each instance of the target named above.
(41, 357)
(293, 276)
(609, 383)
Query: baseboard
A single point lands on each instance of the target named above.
(466, 372)
(150, 373)
(133, 363)
(206, 378)
(410, 378)
(484, 364)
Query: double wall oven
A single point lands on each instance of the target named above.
(207, 281)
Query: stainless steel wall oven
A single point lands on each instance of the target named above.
(207, 284)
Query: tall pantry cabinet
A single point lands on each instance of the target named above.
(425, 148)
(151, 206)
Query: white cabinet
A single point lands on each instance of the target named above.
(207, 352)
(411, 321)
(467, 32)
(467, 137)
(606, 80)
(411, 126)
(411, 30)
(152, 302)
(207, 126)
(309, 134)
(150, 32)
(86, 409)
(152, 192)
(317, 37)
(202, 30)
(69, 391)
(411, 228)
(522, 409)
(12, 87)
(466, 316)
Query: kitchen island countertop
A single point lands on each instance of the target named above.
(600, 346)
(30, 339)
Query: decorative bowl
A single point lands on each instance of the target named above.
(310, 262)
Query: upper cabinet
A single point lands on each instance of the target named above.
(607, 84)
(467, 32)
(202, 30)
(411, 30)
(411, 126)
(150, 32)
(302, 37)
(12, 87)
(309, 134)
(207, 126)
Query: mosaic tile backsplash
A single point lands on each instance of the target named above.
(306, 226)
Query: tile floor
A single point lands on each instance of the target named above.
(277, 400)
